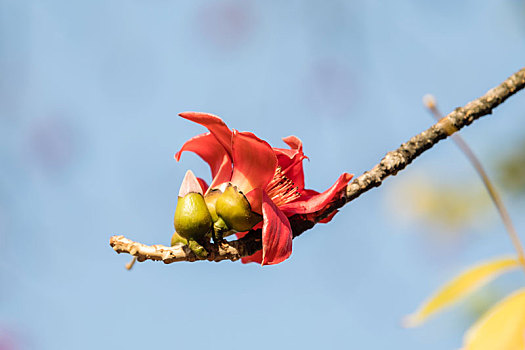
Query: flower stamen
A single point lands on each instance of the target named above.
(281, 189)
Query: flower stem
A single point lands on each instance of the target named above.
(430, 103)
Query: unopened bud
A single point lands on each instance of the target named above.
(233, 207)
(176, 239)
(211, 198)
(192, 218)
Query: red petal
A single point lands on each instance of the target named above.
(203, 184)
(209, 149)
(276, 233)
(294, 142)
(256, 258)
(307, 193)
(215, 125)
(224, 173)
(254, 162)
(255, 199)
(295, 171)
(329, 217)
(291, 160)
(286, 156)
(317, 201)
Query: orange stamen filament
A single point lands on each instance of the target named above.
(281, 189)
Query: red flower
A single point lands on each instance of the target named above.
(272, 180)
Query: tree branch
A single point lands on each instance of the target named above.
(233, 250)
(391, 164)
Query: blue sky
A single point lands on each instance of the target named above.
(89, 97)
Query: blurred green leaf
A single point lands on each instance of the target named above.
(461, 286)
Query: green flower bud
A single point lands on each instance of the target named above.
(176, 239)
(210, 199)
(193, 245)
(233, 207)
(192, 218)
(219, 226)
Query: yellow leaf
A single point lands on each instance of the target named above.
(502, 327)
(461, 286)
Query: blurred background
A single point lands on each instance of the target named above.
(89, 96)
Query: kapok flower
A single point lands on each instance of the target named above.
(271, 180)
